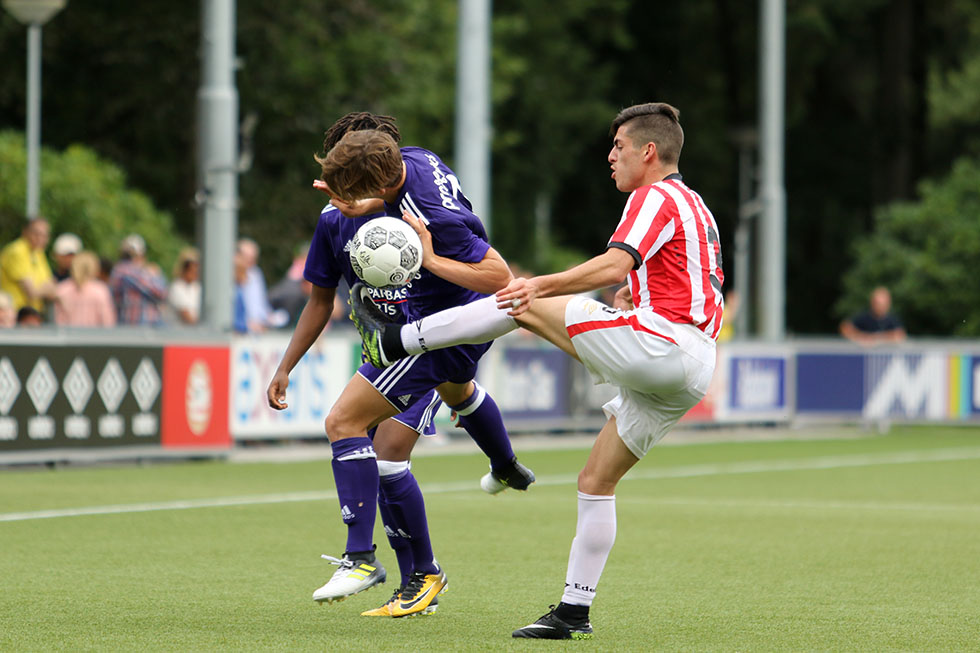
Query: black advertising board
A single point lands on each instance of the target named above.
(79, 396)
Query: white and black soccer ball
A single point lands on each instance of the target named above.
(386, 252)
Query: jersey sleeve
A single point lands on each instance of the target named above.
(646, 224)
(322, 268)
(452, 238)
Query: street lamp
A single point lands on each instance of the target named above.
(33, 13)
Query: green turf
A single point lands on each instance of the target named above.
(819, 547)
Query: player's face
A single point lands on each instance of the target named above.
(626, 162)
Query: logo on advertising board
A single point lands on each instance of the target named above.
(9, 389)
(975, 386)
(905, 385)
(78, 387)
(195, 397)
(758, 384)
(537, 383)
(145, 388)
(314, 385)
(198, 397)
(54, 396)
(41, 386)
(112, 387)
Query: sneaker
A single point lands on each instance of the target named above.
(385, 610)
(419, 594)
(550, 626)
(353, 576)
(370, 322)
(515, 475)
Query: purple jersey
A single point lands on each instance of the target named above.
(329, 260)
(432, 193)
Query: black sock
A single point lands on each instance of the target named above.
(361, 556)
(391, 343)
(573, 614)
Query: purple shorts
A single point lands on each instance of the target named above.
(410, 380)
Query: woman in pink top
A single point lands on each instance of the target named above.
(82, 299)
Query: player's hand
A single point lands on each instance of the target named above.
(276, 393)
(354, 209)
(424, 235)
(623, 299)
(516, 297)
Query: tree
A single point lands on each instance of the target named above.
(925, 252)
(86, 195)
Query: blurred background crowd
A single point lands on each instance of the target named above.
(64, 283)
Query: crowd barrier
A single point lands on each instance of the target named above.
(93, 395)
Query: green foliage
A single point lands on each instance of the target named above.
(926, 253)
(879, 95)
(85, 195)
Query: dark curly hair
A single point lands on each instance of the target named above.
(360, 121)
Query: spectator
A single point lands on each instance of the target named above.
(24, 271)
(185, 290)
(28, 316)
(105, 269)
(8, 316)
(139, 289)
(63, 251)
(292, 291)
(259, 314)
(83, 299)
(877, 324)
(239, 320)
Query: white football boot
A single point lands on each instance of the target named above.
(352, 577)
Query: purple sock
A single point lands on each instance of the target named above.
(481, 418)
(398, 539)
(404, 498)
(355, 472)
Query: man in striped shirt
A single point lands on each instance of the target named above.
(656, 345)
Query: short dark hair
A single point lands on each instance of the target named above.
(360, 121)
(361, 163)
(653, 122)
(28, 312)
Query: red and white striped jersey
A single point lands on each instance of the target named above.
(674, 238)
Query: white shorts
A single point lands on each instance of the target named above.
(661, 368)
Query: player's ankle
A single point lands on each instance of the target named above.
(571, 613)
(391, 344)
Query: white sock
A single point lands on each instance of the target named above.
(469, 324)
(595, 534)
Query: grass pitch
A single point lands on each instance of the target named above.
(869, 544)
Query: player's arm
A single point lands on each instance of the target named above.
(487, 275)
(310, 325)
(608, 269)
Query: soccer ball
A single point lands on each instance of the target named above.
(386, 252)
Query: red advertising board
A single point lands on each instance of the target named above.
(195, 397)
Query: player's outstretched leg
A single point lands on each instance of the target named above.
(370, 322)
(561, 622)
(385, 342)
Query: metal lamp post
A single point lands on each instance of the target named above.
(33, 13)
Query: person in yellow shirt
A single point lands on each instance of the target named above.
(24, 271)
